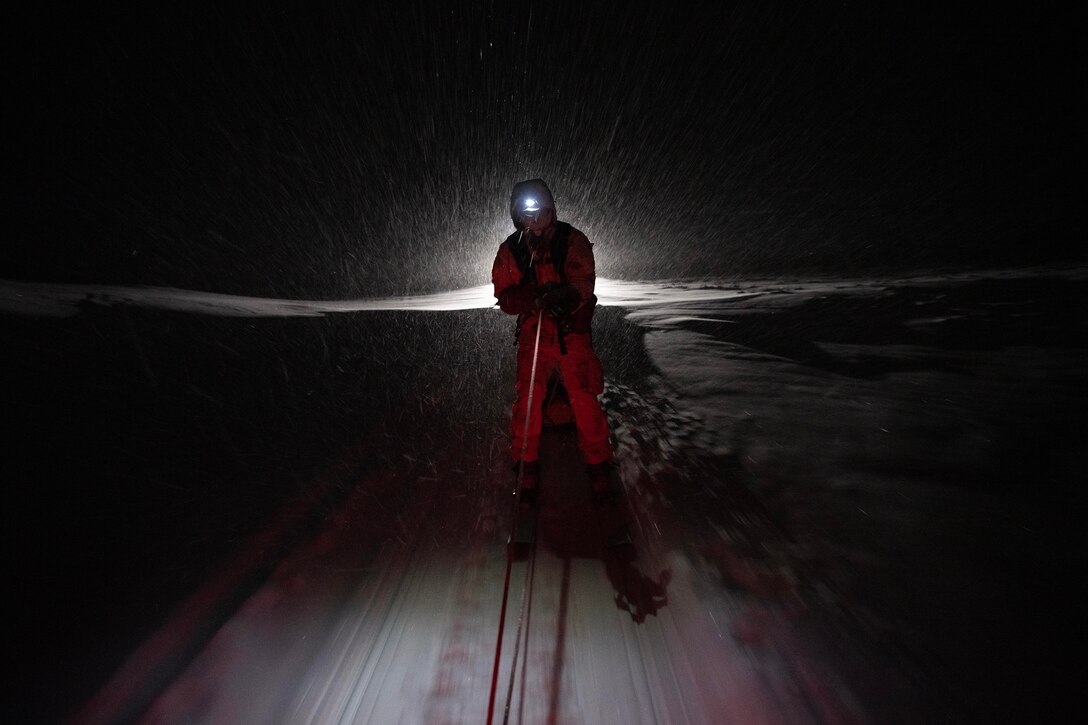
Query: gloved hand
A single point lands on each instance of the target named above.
(518, 299)
(559, 299)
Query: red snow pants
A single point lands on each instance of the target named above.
(583, 378)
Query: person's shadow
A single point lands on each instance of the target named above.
(635, 592)
(571, 526)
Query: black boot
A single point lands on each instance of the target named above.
(527, 478)
(601, 487)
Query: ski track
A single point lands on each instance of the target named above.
(406, 633)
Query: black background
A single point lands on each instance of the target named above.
(354, 150)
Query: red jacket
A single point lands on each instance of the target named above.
(514, 299)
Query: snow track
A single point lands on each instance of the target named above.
(356, 628)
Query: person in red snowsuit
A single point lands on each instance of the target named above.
(528, 284)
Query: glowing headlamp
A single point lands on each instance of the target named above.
(530, 205)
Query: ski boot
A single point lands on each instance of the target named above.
(604, 492)
(526, 484)
(601, 489)
(529, 482)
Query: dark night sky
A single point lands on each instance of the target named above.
(349, 152)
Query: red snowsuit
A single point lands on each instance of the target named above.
(579, 368)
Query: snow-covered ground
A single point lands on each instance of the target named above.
(853, 501)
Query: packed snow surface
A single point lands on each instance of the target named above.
(836, 515)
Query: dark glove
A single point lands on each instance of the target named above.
(518, 299)
(558, 299)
